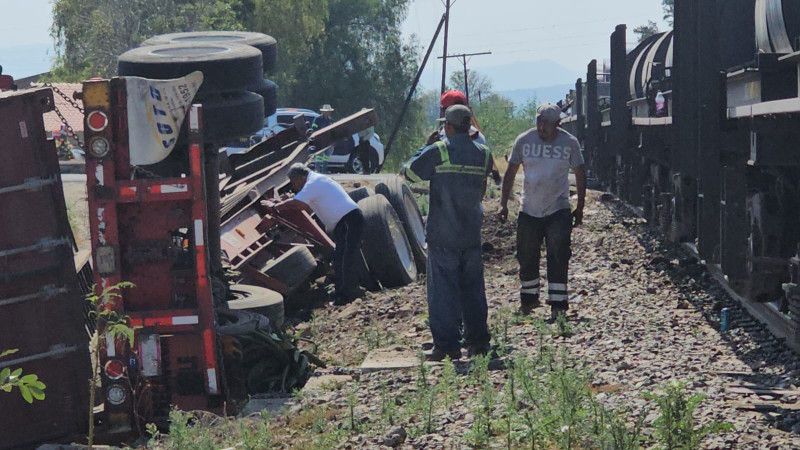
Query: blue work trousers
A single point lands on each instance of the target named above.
(456, 291)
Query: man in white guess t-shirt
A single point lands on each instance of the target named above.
(340, 214)
(546, 154)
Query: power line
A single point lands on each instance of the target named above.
(463, 57)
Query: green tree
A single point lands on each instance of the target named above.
(645, 31)
(480, 85)
(502, 121)
(90, 34)
(362, 61)
(296, 25)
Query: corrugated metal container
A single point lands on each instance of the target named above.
(41, 307)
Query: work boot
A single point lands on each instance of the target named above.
(438, 354)
(475, 350)
(527, 306)
(557, 309)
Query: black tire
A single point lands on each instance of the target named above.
(266, 44)
(402, 200)
(233, 323)
(361, 193)
(292, 268)
(268, 90)
(225, 67)
(258, 300)
(355, 165)
(385, 244)
(230, 116)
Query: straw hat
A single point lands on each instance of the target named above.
(326, 107)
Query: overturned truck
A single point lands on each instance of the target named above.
(175, 216)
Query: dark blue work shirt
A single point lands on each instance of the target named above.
(457, 169)
(321, 122)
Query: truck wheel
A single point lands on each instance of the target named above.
(356, 165)
(226, 67)
(292, 268)
(385, 244)
(230, 116)
(233, 322)
(266, 44)
(361, 193)
(268, 90)
(402, 200)
(258, 300)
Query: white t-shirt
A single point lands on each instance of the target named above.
(546, 167)
(327, 199)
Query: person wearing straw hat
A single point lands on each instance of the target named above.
(322, 121)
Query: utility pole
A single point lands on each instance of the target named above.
(444, 54)
(463, 57)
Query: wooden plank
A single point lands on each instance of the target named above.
(763, 406)
(755, 390)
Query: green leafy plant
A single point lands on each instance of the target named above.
(563, 327)
(612, 429)
(500, 328)
(449, 383)
(388, 406)
(483, 408)
(675, 426)
(29, 385)
(352, 401)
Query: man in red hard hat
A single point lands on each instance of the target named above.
(447, 100)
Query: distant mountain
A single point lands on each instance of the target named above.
(544, 94)
(528, 74)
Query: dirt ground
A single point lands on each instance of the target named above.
(643, 314)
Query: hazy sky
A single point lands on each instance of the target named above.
(570, 32)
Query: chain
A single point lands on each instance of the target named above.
(69, 128)
(75, 105)
(65, 97)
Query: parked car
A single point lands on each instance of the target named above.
(343, 159)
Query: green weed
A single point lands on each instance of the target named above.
(675, 426)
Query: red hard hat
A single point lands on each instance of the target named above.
(451, 98)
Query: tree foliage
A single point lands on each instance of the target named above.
(645, 31)
(91, 34)
(30, 388)
(349, 53)
(669, 11)
(480, 85)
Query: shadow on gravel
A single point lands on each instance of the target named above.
(771, 361)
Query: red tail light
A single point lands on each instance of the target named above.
(97, 121)
(114, 369)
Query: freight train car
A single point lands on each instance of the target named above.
(700, 131)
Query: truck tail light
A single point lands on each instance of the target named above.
(97, 121)
(116, 394)
(114, 369)
(98, 147)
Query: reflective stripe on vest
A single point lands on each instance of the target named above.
(447, 167)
